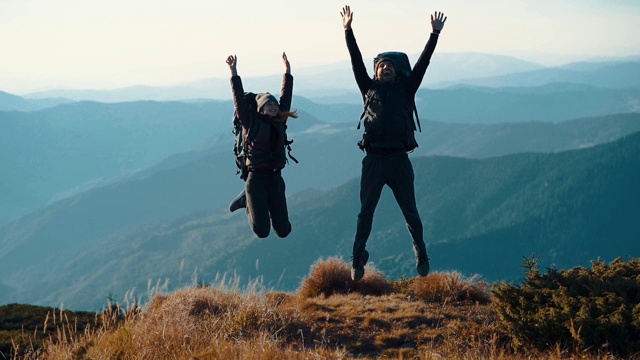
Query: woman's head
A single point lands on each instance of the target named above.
(267, 104)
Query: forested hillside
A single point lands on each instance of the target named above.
(481, 217)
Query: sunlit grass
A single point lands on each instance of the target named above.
(440, 316)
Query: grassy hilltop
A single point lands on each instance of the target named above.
(580, 313)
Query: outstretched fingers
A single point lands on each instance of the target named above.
(347, 16)
(437, 20)
(345, 10)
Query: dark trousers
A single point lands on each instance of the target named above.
(267, 203)
(394, 170)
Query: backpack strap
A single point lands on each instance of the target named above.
(242, 152)
(415, 112)
(367, 101)
(287, 144)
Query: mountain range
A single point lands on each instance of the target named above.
(52, 152)
(481, 216)
(515, 160)
(49, 152)
(335, 83)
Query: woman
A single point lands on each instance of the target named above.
(264, 188)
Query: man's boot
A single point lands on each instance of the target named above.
(357, 267)
(422, 260)
(422, 264)
(239, 202)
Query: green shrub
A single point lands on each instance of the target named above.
(581, 309)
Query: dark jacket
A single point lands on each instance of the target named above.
(267, 150)
(389, 106)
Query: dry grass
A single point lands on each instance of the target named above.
(398, 326)
(441, 316)
(450, 287)
(333, 276)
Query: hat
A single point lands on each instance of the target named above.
(378, 60)
(264, 98)
(399, 60)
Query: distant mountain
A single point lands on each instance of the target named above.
(64, 160)
(47, 152)
(313, 82)
(550, 102)
(497, 139)
(457, 67)
(140, 228)
(331, 84)
(197, 90)
(466, 104)
(335, 84)
(10, 102)
(56, 151)
(606, 74)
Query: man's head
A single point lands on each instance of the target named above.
(385, 70)
(267, 104)
(391, 66)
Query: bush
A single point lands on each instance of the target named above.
(449, 287)
(595, 309)
(333, 276)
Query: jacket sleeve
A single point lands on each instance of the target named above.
(420, 68)
(357, 63)
(286, 92)
(240, 106)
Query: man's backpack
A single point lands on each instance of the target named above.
(402, 66)
(242, 142)
(399, 60)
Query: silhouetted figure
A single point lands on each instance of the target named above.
(264, 194)
(389, 101)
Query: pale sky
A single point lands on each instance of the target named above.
(103, 44)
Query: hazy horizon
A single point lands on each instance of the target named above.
(98, 44)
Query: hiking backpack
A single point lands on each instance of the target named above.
(402, 65)
(241, 145)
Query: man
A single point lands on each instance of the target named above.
(389, 100)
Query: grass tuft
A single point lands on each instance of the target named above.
(447, 287)
(333, 276)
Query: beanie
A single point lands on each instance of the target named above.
(380, 59)
(399, 60)
(263, 98)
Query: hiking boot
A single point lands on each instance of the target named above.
(239, 202)
(422, 265)
(357, 268)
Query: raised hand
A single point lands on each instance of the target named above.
(287, 66)
(437, 21)
(232, 61)
(347, 17)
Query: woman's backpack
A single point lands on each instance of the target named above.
(242, 142)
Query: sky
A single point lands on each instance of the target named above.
(106, 44)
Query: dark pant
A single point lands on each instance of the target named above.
(267, 203)
(394, 170)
